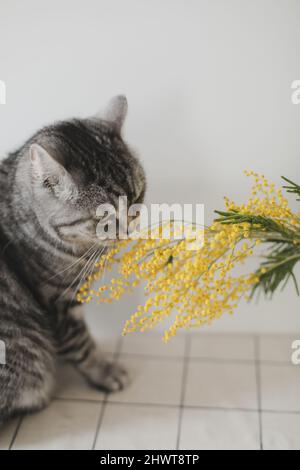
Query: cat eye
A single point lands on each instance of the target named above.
(50, 182)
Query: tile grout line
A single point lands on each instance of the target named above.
(168, 405)
(183, 387)
(99, 423)
(213, 360)
(16, 432)
(172, 358)
(258, 388)
(105, 400)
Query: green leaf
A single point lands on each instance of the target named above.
(292, 187)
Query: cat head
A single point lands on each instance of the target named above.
(78, 165)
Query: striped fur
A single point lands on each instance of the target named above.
(49, 191)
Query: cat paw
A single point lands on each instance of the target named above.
(108, 376)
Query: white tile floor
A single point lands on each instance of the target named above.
(199, 392)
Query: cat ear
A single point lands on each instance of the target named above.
(49, 173)
(115, 111)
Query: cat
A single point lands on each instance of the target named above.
(50, 189)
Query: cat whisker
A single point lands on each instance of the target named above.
(83, 270)
(105, 261)
(90, 266)
(72, 265)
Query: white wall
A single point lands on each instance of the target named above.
(208, 84)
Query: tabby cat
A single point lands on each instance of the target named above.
(50, 189)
